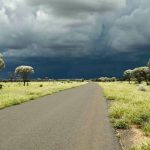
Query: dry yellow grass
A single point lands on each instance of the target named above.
(129, 106)
(16, 93)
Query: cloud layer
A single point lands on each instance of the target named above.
(131, 29)
(73, 28)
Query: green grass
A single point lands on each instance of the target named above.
(16, 93)
(129, 105)
(145, 146)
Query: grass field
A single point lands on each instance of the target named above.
(128, 106)
(16, 93)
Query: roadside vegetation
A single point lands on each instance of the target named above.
(14, 93)
(129, 104)
(145, 146)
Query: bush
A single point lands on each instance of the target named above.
(1, 86)
(146, 129)
(142, 87)
(117, 112)
(41, 85)
(141, 118)
(121, 124)
(106, 79)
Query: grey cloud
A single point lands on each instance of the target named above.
(69, 8)
(37, 31)
(73, 28)
(131, 29)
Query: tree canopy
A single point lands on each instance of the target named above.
(24, 72)
(2, 63)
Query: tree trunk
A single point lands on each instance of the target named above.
(129, 81)
(147, 82)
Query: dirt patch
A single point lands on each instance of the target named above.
(132, 137)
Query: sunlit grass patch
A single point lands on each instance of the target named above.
(129, 104)
(146, 129)
(130, 109)
(16, 93)
(145, 146)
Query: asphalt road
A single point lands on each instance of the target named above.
(74, 119)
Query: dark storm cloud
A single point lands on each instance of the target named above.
(78, 29)
(131, 29)
(32, 28)
(68, 8)
(68, 27)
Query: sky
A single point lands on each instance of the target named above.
(74, 38)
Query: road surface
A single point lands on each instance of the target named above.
(74, 119)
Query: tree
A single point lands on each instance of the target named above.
(24, 72)
(137, 75)
(148, 64)
(128, 75)
(113, 79)
(2, 63)
(142, 73)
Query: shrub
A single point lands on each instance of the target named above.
(141, 118)
(146, 129)
(117, 111)
(106, 79)
(142, 87)
(41, 85)
(1, 86)
(121, 124)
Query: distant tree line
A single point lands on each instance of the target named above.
(138, 74)
(105, 79)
